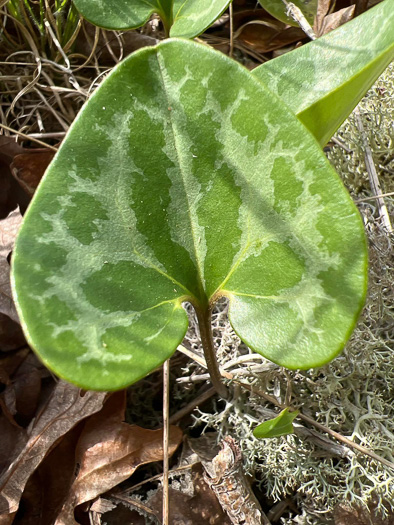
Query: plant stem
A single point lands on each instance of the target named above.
(165, 11)
(204, 324)
(166, 429)
(166, 27)
(231, 52)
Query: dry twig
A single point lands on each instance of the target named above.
(166, 430)
(271, 399)
(28, 137)
(297, 15)
(372, 174)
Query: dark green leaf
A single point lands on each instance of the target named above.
(120, 14)
(174, 185)
(186, 18)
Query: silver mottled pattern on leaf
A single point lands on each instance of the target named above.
(169, 187)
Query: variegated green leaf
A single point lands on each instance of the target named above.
(278, 426)
(123, 14)
(182, 18)
(324, 80)
(173, 185)
(278, 9)
(193, 17)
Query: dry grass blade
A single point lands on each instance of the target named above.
(373, 176)
(28, 137)
(48, 85)
(375, 197)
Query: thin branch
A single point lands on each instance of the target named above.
(339, 143)
(297, 15)
(231, 52)
(323, 428)
(267, 397)
(52, 135)
(175, 418)
(372, 174)
(375, 197)
(27, 137)
(137, 504)
(158, 477)
(166, 430)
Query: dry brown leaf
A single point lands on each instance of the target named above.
(29, 167)
(102, 506)
(4, 377)
(11, 194)
(7, 519)
(8, 230)
(66, 407)
(11, 335)
(49, 485)
(262, 39)
(259, 31)
(109, 451)
(361, 7)
(9, 147)
(21, 373)
(23, 388)
(336, 19)
(202, 507)
(244, 16)
(26, 383)
(8, 403)
(12, 361)
(323, 7)
(11, 435)
(372, 3)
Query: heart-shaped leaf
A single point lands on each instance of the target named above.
(278, 426)
(324, 80)
(182, 18)
(173, 185)
(278, 9)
